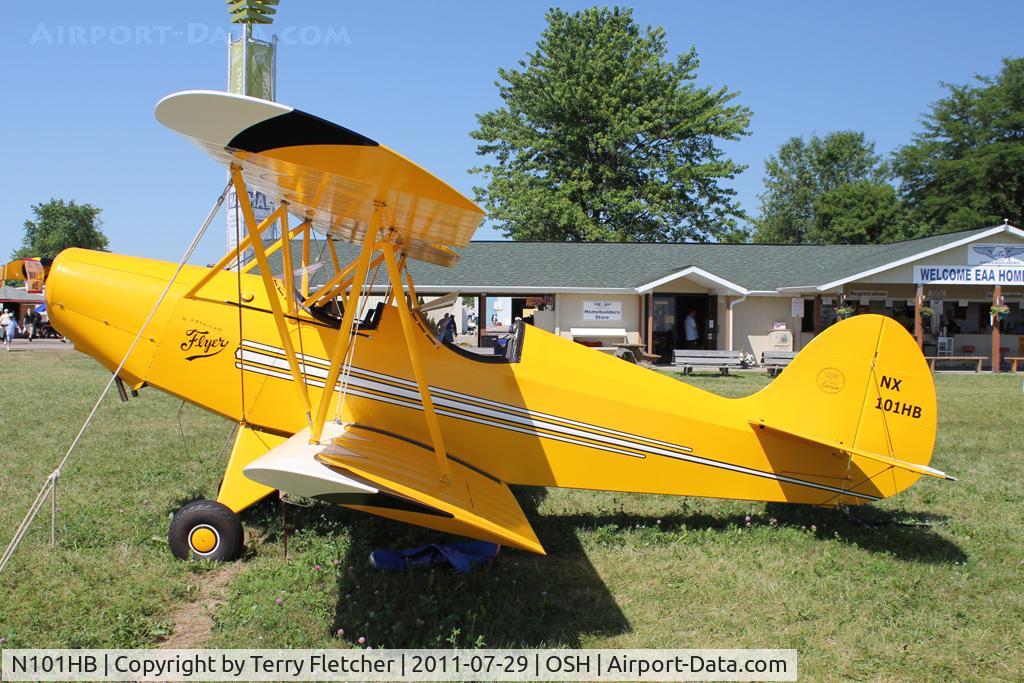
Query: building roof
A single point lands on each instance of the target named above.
(527, 267)
(17, 295)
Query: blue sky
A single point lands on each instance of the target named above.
(82, 80)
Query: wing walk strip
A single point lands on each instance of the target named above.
(269, 360)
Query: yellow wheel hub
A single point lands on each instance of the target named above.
(202, 539)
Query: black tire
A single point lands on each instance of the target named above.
(206, 530)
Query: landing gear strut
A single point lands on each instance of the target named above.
(206, 530)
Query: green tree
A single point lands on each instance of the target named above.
(812, 190)
(57, 225)
(602, 138)
(965, 170)
(861, 212)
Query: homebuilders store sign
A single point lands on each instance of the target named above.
(602, 310)
(969, 275)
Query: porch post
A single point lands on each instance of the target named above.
(817, 314)
(728, 323)
(918, 323)
(650, 322)
(997, 296)
(481, 316)
(640, 298)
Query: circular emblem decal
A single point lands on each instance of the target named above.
(831, 381)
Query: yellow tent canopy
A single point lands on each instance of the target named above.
(32, 270)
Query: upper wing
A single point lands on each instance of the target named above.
(329, 172)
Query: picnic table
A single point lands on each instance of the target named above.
(639, 354)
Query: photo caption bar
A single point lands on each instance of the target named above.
(399, 665)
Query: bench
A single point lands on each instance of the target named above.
(957, 359)
(776, 361)
(1014, 360)
(689, 359)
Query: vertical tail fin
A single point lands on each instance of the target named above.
(860, 401)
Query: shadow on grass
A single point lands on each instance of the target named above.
(525, 600)
(906, 535)
(712, 375)
(520, 600)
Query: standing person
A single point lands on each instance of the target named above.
(447, 328)
(10, 325)
(442, 325)
(690, 329)
(32, 323)
(453, 329)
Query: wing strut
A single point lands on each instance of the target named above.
(408, 329)
(334, 255)
(279, 244)
(305, 262)
(268, 283)
(288, 268)
(235, 254)
(339, 283)
(344, 336)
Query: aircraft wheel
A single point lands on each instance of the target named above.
(206, 530)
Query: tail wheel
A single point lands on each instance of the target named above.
(206, 530)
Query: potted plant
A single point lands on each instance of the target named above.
(1000, 311)
(926, 312)
(845, 312)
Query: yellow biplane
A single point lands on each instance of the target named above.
(363, 406)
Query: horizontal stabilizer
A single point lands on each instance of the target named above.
(858, 452)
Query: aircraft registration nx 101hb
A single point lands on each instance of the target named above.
(425, 432)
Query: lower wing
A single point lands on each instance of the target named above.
(389, 476)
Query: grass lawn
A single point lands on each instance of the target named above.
(925, 586)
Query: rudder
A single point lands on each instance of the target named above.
(864, 385)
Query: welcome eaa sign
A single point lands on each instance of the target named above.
(969, 275)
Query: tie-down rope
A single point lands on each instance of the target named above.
(50, 485)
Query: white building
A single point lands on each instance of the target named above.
(748, 297)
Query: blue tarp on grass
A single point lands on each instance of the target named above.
(463, 557)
